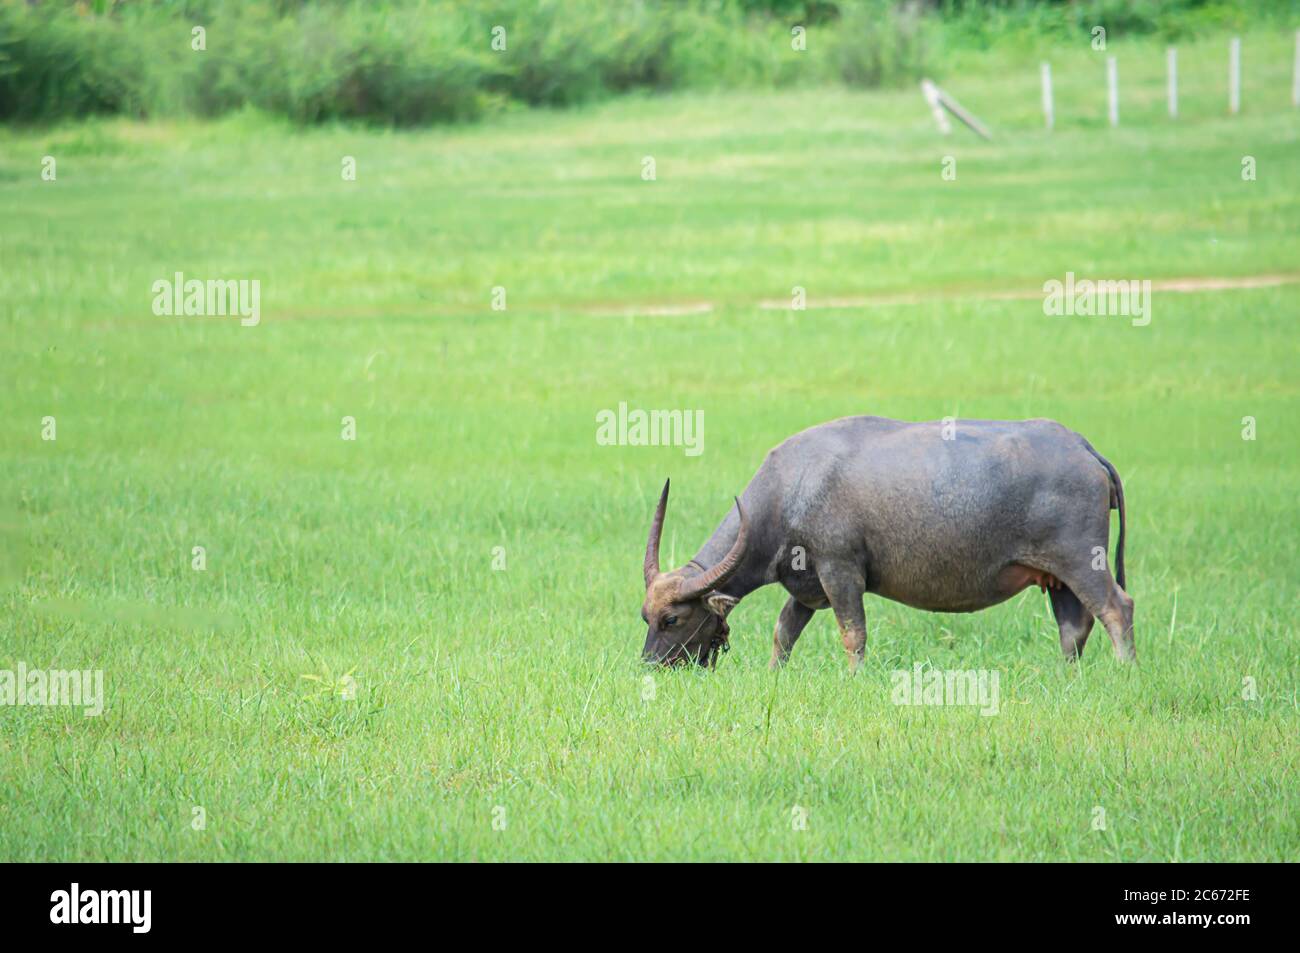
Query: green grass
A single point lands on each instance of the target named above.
(521, 688)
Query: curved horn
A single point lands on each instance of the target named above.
(712, 578)
(652, 545)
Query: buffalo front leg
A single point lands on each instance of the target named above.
(845, 587)
(789, 624)
(1072, 619)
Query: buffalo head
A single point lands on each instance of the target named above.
(686, 615)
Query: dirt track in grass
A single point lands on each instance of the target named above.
(1189, 285)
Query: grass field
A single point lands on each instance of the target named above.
(516, 695)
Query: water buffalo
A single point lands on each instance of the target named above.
(949, 516)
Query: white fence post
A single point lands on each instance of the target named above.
(1234, 75)
(949, 103)
(1295, 73)
(1046, 71)
(1112, 85)
(931, 94)
(1171, 67)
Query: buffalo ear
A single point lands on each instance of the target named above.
(720, 604)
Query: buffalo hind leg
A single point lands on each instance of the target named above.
(1102, 596)
(1073, 620)
(789, 624)
(845, 587)
(1117, 617)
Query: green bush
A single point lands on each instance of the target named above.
(880, 43)
(392, 66)
(63, 65)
